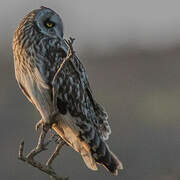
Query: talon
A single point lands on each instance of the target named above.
(46, 125)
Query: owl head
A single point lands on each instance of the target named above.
(48, 22)
(41, 23)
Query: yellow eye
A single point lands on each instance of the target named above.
(49, 24)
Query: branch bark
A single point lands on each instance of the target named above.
(38, 165)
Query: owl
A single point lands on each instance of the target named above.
(39, 51)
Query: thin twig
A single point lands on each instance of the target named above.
(41, 146)
(38, 165)
(70, 53)
(55, 153)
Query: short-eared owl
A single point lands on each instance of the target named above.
(39, 50)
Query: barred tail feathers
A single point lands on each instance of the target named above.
(93, 152)
(108, 159)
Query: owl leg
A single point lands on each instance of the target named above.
(42, 123)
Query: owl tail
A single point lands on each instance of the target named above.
(93, 151)
(108, 159)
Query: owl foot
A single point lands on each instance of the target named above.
(44, 124)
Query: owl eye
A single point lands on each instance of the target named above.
(49, 24)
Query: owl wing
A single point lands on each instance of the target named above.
(75, 97)
(82, 122)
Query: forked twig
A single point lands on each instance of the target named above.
(41, 146)
(38, 165)
(55, 154)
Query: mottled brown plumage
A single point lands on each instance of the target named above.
(39, 50)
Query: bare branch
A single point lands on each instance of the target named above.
(70, 53)
(38, 165)
(55, 154)
(41, 146)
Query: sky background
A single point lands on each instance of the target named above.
(131, 51)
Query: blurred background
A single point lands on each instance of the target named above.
(131, 51)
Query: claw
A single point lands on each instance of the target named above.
(44, 124)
